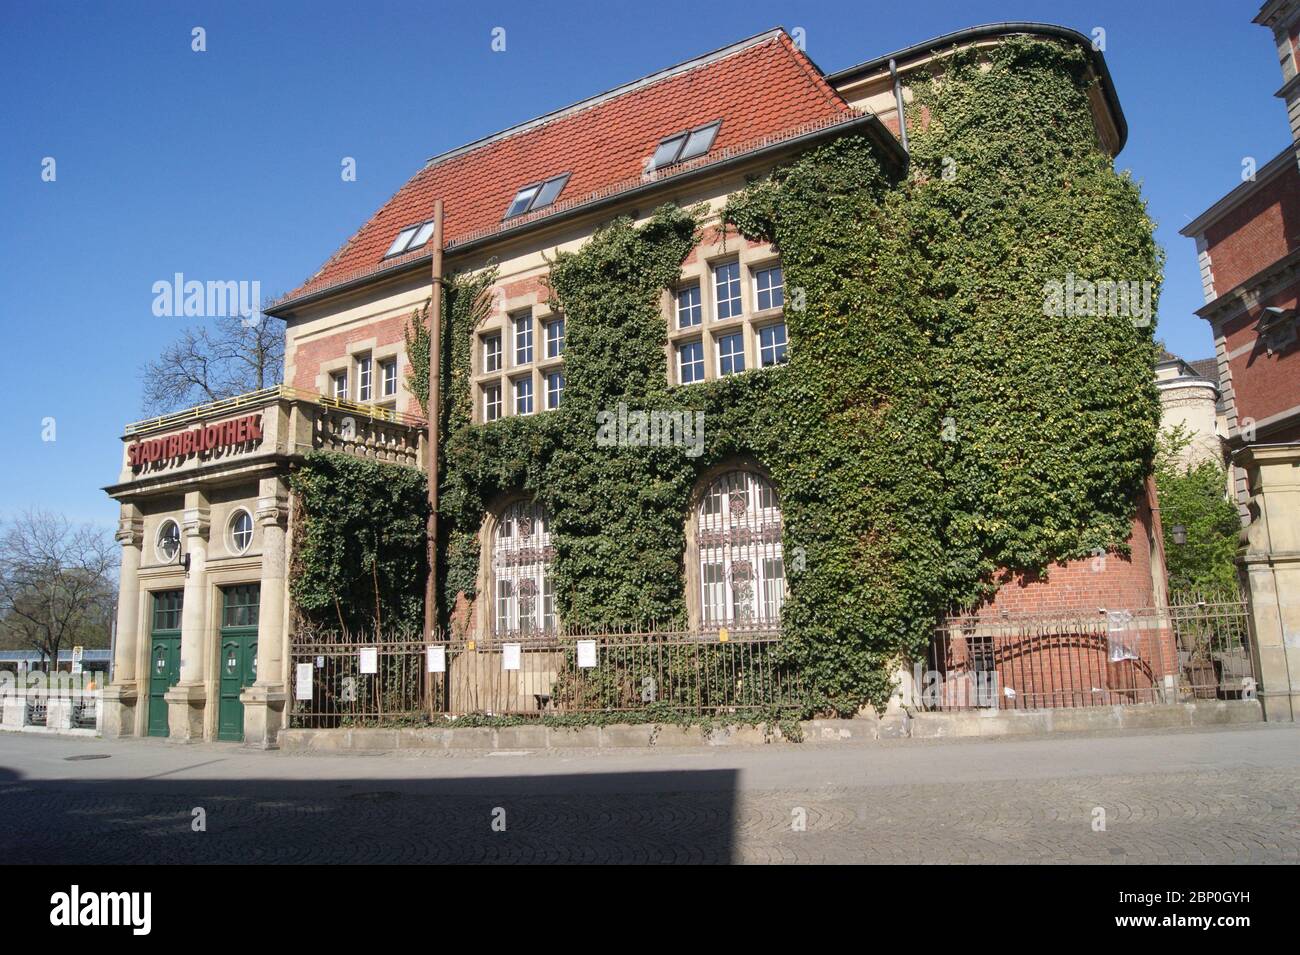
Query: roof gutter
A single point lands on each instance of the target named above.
(991, 31)
(870, 123)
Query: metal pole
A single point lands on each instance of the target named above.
(435, 416)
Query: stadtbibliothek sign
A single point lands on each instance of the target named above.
(201, 441)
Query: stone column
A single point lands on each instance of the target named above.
(187, 699)
(123, 691)
(265, 700)
(1270, 564)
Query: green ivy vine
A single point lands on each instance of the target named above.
(933, 429)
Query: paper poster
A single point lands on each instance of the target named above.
(586, 654)
(302, 689)
(369, 659)
(437, 659)
(510, 656)
(1121, 638)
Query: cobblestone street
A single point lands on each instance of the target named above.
(1222, 796)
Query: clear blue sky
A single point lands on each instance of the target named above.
(225, 164)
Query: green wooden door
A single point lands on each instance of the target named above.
(238, 660)
(164, 655)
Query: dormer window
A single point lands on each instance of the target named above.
(410, 238)
(683, 146)
(537, 196)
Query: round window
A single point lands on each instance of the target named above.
(169, 541)
(241, 531)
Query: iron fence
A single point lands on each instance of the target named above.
(1197, 650)
(358, 680)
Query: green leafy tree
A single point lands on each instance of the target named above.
(1193, 496)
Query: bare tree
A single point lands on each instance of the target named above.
(232, 357)
(56, 583)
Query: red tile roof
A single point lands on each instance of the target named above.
(763, 90)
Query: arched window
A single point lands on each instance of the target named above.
(738, 533)
(523, 595)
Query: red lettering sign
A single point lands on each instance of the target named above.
(202, 441)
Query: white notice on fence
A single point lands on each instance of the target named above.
(510, 656)
(302, 689)
(586, 654)
(437, 659)
(369, 659)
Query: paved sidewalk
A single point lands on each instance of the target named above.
(1228, 795)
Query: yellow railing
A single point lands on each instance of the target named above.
(261, 397)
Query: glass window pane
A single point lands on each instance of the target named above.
(555, 338)
(524, 396)
(772, 349)
(699, 142)
(550, 191)
(726, 283)
(524, 339)
(770, 287)
(690, 357)
(689, 312)
(731, 354)
(421, 236)
(667, 151)
(399, 244)
(523, 199)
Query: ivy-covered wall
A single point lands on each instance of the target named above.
(934, 426)
(359, 543)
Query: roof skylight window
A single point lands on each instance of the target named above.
(683, 146)
(402, 241)
(411, 238)
(539, 195)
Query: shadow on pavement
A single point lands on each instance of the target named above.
(635, 817)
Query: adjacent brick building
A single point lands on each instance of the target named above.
(1248, 246)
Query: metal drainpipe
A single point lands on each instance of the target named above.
(898, 102)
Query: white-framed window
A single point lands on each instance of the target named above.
(521, 571)
(554, 337)
(339, 384)
(554, 389)
(769, 288)
(492, 401)
(492, 352)
(742, 569)
(524, 395)
(731, 353)
(241, 531)
(410, 238)
(523, 325)
(690, 362)
(365, 378)
(388, 371)
(772, 345)
(168, 542)
(726, 288)
(690, 312)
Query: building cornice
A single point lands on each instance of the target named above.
(1275, 15)
(1245, 295)
(1271, 170)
